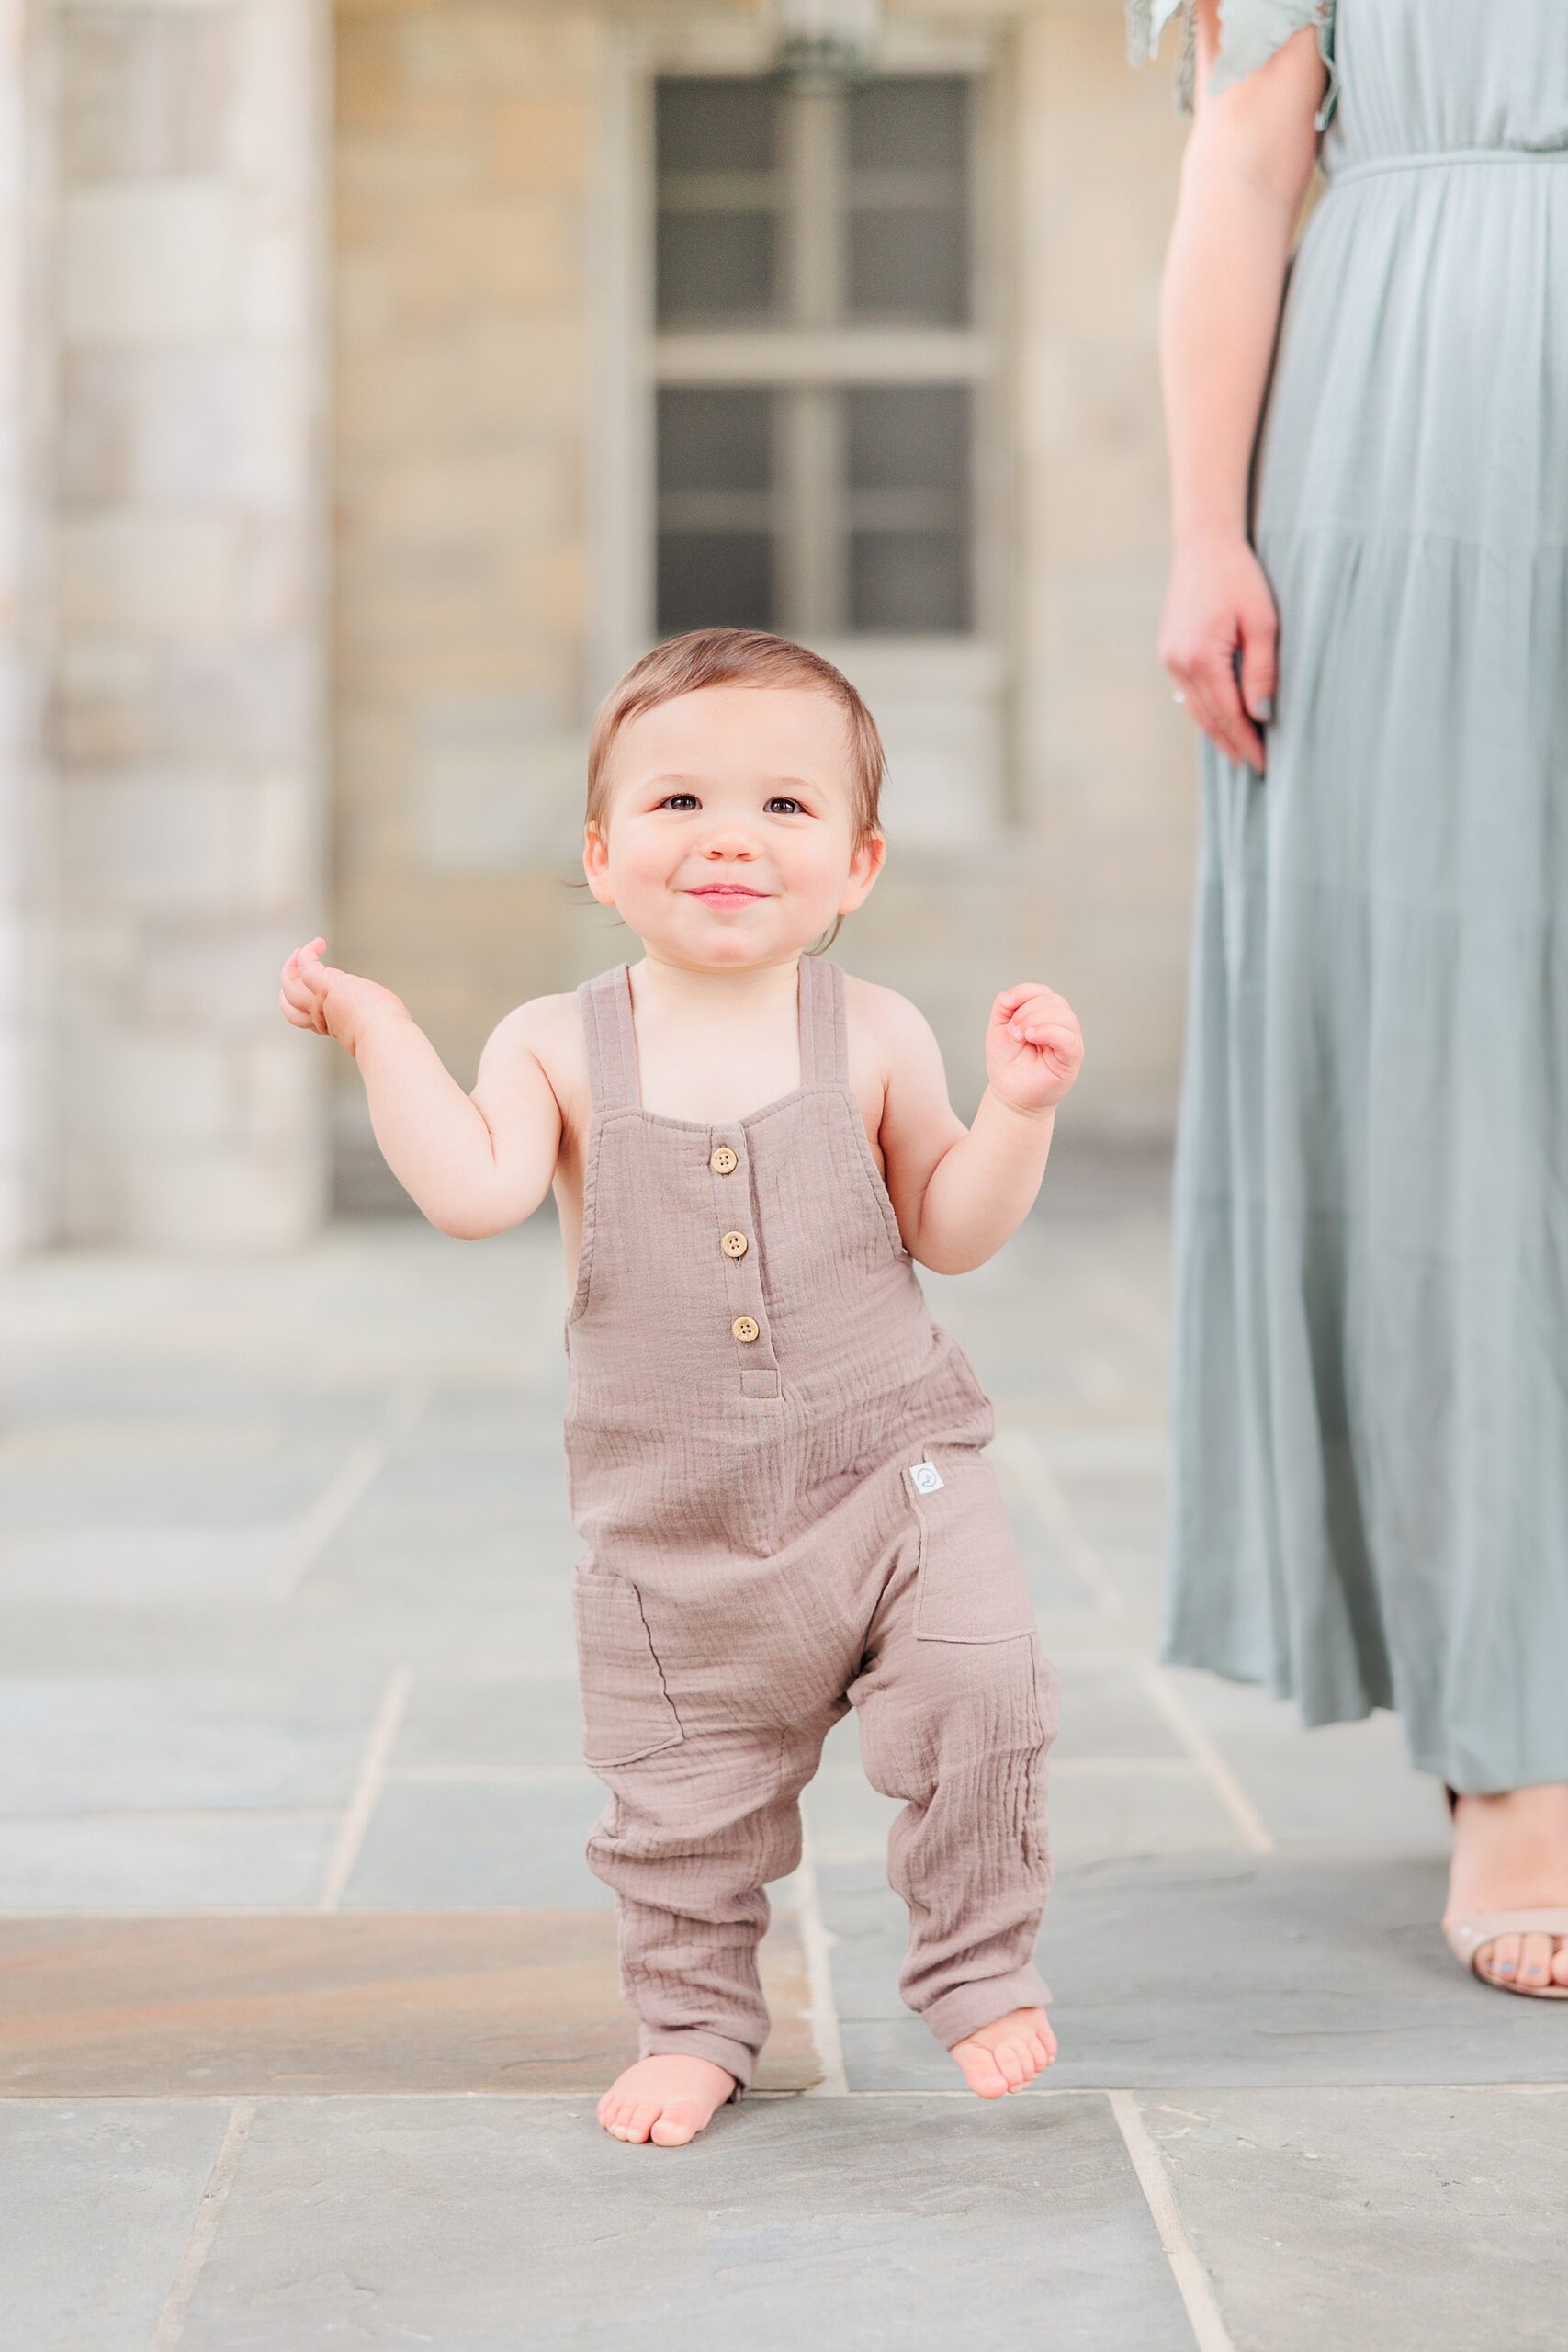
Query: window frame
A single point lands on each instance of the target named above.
(632, 358)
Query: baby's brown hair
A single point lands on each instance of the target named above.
(737, 657)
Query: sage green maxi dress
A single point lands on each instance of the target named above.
(1370, 1504)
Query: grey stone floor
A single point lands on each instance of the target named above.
(286, 1665)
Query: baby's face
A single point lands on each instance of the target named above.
(731, 825)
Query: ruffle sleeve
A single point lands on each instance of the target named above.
(1251, 32)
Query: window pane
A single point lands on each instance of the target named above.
(715, 580)
(907, 230)
(722, 123)
(717, 559)
(907, 264)
(911, 582)
(716, 265)
(908, 450)
(715, 440)
(909, 436)
(909, 119)
(716, 149)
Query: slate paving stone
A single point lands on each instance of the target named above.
(461, 1845)
(192, 1478)
(1283, 1969)
(129, 1861)
(1106, 1712)
(488, 1720)
(473, 1559)
(486, 2226)
(523, 1626)
(103, 1744)
(95, 2216)
(1343, 1784)
(1392, 2219)
(1101, 1809)
(143, 1565)
(391, 2001)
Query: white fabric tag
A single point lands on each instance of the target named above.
(926, 1476)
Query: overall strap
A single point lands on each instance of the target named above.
(824, 1024)
(605, 1003)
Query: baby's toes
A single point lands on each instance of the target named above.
(673, 2125)
(1009, 2058)
(1559, 1962)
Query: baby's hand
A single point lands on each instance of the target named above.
(1034, 1047)
(335, 1004)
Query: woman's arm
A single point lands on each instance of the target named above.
(474, 1164)
(1248, 160)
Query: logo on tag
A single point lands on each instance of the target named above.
(926, 1476)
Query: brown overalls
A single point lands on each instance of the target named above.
(774, 1458)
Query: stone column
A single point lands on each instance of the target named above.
(28, 1056)
(193, 167)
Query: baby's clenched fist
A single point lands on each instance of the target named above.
(1034, 1047)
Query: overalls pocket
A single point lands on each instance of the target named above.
(971, 1585)
(626, 1711)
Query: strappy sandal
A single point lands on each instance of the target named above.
(1468, 1937)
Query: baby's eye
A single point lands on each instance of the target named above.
(788, 798)
(677, 796)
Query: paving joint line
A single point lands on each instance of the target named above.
(1226, 1787)
(341, 1493)
(1021, 1449)
(204, 2227)
(816, 1942)
(369, 1785)
(1209, 2332)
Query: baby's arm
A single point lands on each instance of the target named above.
(961, 1192)
(474, 1163)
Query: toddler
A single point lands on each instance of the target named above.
(774, 1456)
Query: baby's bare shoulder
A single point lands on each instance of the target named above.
(885, 1026)
(542, 1036)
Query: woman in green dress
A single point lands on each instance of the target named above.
(1368, 620)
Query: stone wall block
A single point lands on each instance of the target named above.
(145, 92)
(541, 142)
(149, 1086)
(209, 1200)
(147, 575)
(482, 47)
(229, 971)
(159, 842)
(256, 700)
(146, 264)
(202, 426)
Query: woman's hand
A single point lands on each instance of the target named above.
(1033, 1047)
(335, 1004)
(1219, 605)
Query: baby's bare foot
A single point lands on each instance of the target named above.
(1006, 2054)
(666, 2099)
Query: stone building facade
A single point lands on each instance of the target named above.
(357, 428)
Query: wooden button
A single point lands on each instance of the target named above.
(744, 1329)
(723, 1161)
(734, 1245)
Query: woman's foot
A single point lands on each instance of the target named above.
(1007, 2054)
(1511, 1853)
(668, 2100)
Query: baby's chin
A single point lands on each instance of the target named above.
(726, 938)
